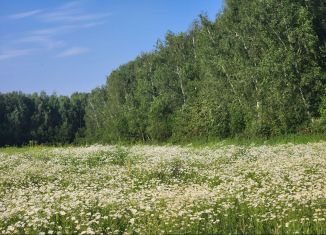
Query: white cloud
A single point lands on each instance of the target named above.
(72, 16)
(65, 28)
(92, 24)
(72, 4)
(25, 14)
(14, 53)
(73, 52)
(71, 12)
(41, 40)
(51, 30)
(64, 19)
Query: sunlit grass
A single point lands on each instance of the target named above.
(246, 141)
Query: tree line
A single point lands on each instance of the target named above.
(257, 70)
(41, 118)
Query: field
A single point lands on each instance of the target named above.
(163, 190)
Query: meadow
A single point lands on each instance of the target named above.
(164, 189)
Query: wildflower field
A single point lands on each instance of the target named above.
(163, 190)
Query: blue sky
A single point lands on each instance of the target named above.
(68, 46)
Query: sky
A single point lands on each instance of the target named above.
(63, 47)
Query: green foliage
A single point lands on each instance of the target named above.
(257, 71)
(39, 118)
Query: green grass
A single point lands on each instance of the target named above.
(24, 149)
(241, 141)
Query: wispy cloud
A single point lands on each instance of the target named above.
(72, 16)
(53, 31)
(41, 40)
(56, 22)
(72, 4)
(25, 14)
(9, 54)
(71, 12)
(93, 24)
(74, 51)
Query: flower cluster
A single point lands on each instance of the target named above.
(155, 189)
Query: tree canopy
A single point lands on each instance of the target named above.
(257, 70)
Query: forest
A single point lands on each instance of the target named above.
(257, 70)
